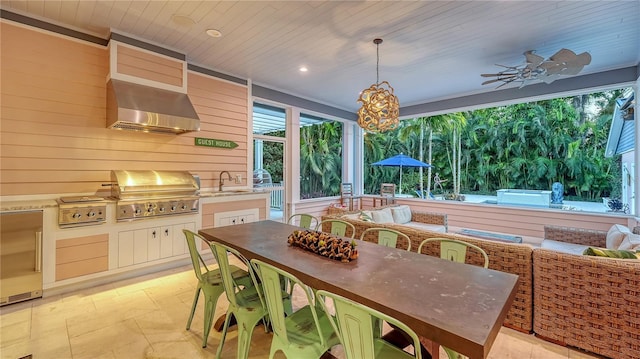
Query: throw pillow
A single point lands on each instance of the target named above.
(611, 253)
(616, 235)
(382, 216)
(631, 242)
(365, 216)
(401, 214)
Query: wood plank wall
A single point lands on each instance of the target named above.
(149, 66)
(53, 135)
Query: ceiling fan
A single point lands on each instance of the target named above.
(563, 63)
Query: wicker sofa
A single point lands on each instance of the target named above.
(592, 303)
(505, 257)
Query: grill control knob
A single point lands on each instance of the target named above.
(183, 207)
(161, 209)
(137, 211)
(150, 210)
(173, 207)
(91, 214)
(76, 215)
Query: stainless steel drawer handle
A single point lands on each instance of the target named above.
(38, 266)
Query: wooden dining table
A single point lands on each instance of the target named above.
(458, 306)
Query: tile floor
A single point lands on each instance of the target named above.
(145, 317)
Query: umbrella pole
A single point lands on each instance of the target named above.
(400, 189)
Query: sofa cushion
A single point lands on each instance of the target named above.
(401, 214)
(616, 235)
(426, 226)
(353, 216)
(610, 253)
(382, 216)
(631, 242)
(564, 247)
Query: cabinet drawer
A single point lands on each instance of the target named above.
(82, 252)
(80, 256)
(83, 267)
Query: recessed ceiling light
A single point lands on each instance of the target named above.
(303, 69)
(214, 33)
(182, 20)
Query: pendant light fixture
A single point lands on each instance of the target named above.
(380, 107)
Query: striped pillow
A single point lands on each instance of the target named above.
(611, 253)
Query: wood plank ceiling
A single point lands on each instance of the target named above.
(432, 50)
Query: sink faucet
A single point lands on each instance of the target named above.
(222, 180)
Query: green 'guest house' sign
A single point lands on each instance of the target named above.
(211, 142)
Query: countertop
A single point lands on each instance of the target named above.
(40, 203)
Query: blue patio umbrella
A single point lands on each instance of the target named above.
(401, 161)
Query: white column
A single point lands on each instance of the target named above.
(358, 151)
(249, 174)
(352, 149)
(636, 168)
(292, 160)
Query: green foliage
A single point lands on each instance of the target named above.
(528, 146)
(320, 160)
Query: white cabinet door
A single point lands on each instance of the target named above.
(125, 248)
(166, 242)
(246, 218)
(179, 242)
(140, 246)
(231, 218)
(154, 242)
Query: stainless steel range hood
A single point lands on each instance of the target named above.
(142, 108)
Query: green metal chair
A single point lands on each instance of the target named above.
(304, 220)
(245, 304)
(356, 326)
(338, 227)
(210, 283)
(305, 333)
(456, 251)
(387, 237)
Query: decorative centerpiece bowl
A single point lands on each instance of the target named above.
(324, 244)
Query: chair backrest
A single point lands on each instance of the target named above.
(387, 237)
(388, 189)
(272, 279)
(455, 250)
(221, 253)
(338, 227)
(304, 220)
(196, 258)
(346, 189)
(356, 325)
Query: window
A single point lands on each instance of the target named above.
(527, 147)
(320, 157)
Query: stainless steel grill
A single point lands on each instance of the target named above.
(149, 194)
(81, 211)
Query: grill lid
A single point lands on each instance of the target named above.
(144, 184)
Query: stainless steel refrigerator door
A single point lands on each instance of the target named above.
(20, 256)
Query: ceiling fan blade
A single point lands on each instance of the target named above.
(563, 55)
(533, 60)
(491, 81)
